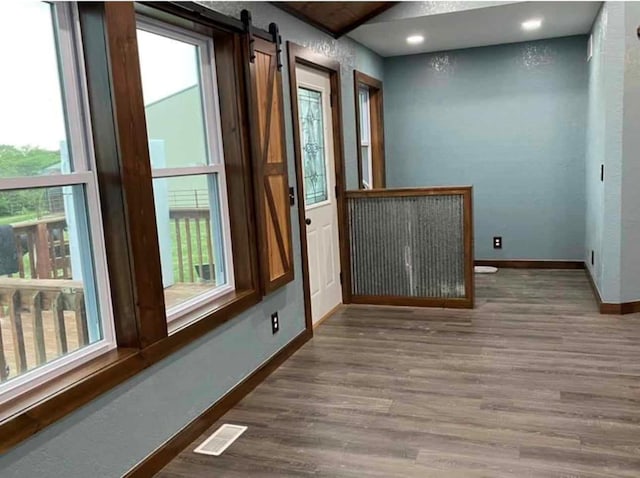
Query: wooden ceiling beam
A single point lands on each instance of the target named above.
(334, 18)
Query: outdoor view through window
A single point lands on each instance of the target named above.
(53, 292)
(185, 146)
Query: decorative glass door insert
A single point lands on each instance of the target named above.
(313, 146)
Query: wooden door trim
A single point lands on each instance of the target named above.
(298, 55)
(376, 141)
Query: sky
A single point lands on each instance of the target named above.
(31, 111)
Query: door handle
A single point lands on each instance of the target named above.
(307, 221)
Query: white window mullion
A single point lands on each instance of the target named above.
(187, 171)
(70, 74)
(28, 182)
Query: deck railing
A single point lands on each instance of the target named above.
(42, 313)
(39, 320)
(411, 246)
(193, 242)
(43, 248)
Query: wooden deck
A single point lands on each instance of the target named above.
(531, 383)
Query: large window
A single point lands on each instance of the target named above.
(136, 142)
(185, 145)
(54, 294)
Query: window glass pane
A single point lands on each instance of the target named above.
(48, 299)
(190, 234)
(313, 149)
(173, 100)
(364, 115)
(366, 169)
(33, 137)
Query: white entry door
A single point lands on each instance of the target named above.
(318, 165)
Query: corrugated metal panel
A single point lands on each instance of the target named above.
(407, 246)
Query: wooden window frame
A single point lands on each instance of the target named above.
(376, 131)
(193, 308)
(125, 186)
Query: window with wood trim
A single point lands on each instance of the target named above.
(187, 163)
(270, 168)
(370, 131)
(86, 172)
(55, 310)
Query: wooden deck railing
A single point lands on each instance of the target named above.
(42, 313)
(43, 248)
(39, 320)
(192, 229)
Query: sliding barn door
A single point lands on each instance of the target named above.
(270, 167)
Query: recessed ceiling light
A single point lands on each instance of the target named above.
(415, 39)
(532, 24)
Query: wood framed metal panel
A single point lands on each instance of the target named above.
(376, 107)
(466, 192)
(304, 56)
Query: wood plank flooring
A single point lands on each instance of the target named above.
(531, 383)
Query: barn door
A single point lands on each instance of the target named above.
(270, 167)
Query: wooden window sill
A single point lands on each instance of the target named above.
(32, 411)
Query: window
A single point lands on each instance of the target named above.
(313, 146)
(186, 154)
(117, 188)
(370, 128)
(54, 293)
(365, 141)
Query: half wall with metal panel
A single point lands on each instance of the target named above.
(411, 246)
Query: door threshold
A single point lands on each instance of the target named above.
(327, 315)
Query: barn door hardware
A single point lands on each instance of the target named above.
(245, 16)
(277, 39)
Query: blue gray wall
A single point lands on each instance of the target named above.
(113, 433)
(630, 237)
(604, 134)
(508, 119)
(613, 139)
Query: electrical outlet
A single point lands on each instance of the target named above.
(497, 242)
(275, 323)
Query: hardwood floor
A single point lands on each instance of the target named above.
(533, 382)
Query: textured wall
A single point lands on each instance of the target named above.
(508, 119)
(604, 146)
(349, 53)
(630, 237)
(111, 434)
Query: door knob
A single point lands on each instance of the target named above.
(307, 221)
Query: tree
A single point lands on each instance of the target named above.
(24, 161)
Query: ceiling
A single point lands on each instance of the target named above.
(335, 18)
(491, 25)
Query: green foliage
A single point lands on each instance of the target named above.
(25, 161)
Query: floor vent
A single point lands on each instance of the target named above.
(221, 439)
